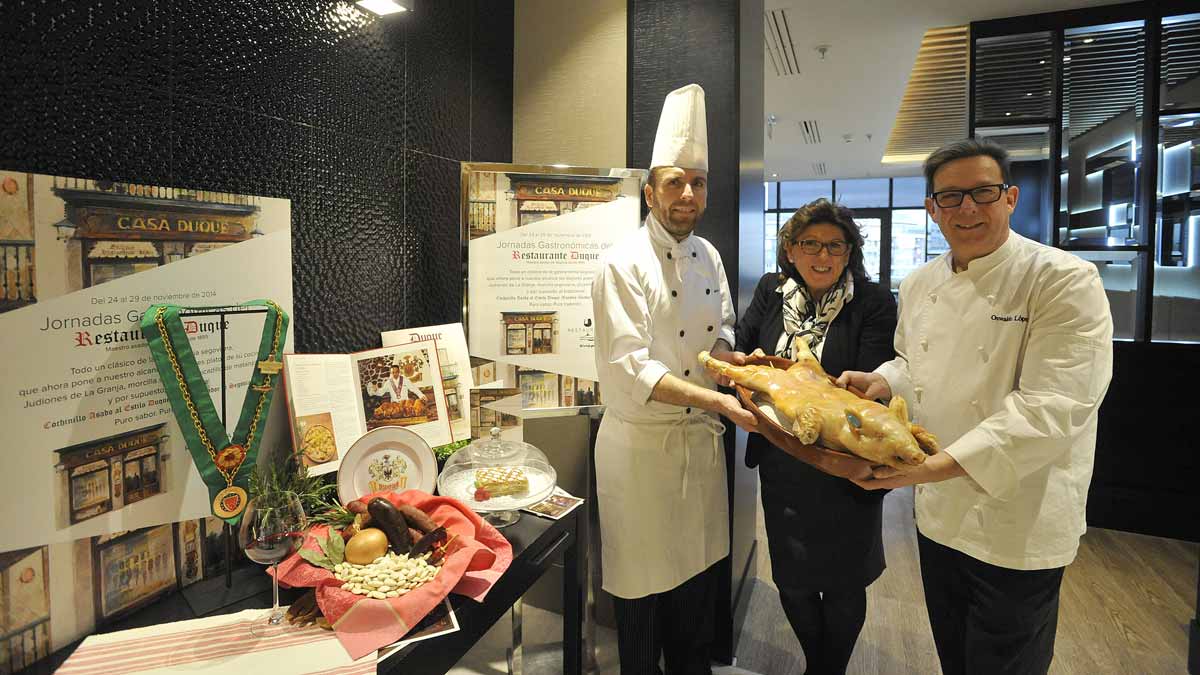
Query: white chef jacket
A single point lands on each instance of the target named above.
(1007, 363)
(398, 390)
(660, 468)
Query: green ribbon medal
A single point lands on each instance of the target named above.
(225, 463)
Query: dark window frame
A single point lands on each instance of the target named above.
(1151, 13)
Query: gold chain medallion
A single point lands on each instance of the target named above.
(229, 502)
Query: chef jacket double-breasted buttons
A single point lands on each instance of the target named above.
(660, 469)
(1007, 362)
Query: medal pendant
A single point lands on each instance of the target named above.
(229, 502)
(270, 366)
(229, 459)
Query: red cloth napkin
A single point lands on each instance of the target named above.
(477, 558)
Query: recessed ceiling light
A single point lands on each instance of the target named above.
(1066, 58)
(385, 7)
(1042, 62)
(1007, 114)
(1029, 93)
(1088, 41)
(774, 175)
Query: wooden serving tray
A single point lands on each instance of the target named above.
(833, 462)
(376, 422)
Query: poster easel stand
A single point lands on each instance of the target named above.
(206, 596)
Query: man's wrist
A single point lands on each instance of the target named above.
(945, 467)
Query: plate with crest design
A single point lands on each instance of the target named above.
(387, 458)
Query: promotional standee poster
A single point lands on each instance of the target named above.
(112, 509)
(536, 242)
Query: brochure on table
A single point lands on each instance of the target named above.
(333, 399)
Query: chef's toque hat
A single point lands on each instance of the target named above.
(682, 138)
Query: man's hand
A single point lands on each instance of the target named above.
(730, 407)
(873, 385)
(728, 356)
(936, 468)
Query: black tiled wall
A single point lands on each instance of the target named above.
(677, 42)
(673, 43)
(359, 121)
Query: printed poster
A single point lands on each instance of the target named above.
(91, 446)
(535, 244)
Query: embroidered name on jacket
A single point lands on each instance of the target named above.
(1010, 317)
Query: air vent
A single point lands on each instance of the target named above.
(810, 131)
(1014, 79)
(1180, 61)
(934, 108)
(1102, 76)
(780, 49)
(819, 169)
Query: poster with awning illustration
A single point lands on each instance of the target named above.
(92, 446)
(535, 238)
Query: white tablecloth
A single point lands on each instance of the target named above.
(221, 644)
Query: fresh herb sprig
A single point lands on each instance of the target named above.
(443, 452)
(276, 479)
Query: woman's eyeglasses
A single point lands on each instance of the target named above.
(984, 194)
(813, 247)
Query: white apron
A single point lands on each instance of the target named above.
(664, 506)
(660, 469)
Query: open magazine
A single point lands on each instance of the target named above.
(455, 367)
(333, 399)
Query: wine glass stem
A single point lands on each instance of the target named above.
(276, 615)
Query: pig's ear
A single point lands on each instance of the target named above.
(925, 440)
(899, 408)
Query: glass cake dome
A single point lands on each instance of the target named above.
(496, 477)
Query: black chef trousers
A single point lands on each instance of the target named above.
(985, 618)
(675, 624)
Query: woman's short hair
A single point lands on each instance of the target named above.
(813, 213)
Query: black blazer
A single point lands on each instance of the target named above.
(860, 337)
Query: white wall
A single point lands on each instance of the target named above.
(569, 83)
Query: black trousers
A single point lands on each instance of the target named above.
(988, 619)
(827, 624)
(676, 625)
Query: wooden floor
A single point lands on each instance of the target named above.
(1125, 607)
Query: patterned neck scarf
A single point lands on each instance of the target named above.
(804, 317)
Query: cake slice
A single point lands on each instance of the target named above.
(499, 480)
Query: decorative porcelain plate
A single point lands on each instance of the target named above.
(387, 458)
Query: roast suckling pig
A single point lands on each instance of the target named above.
(827, 415)
(404, 408)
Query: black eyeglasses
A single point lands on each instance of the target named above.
(984, 194)
(836, 248)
